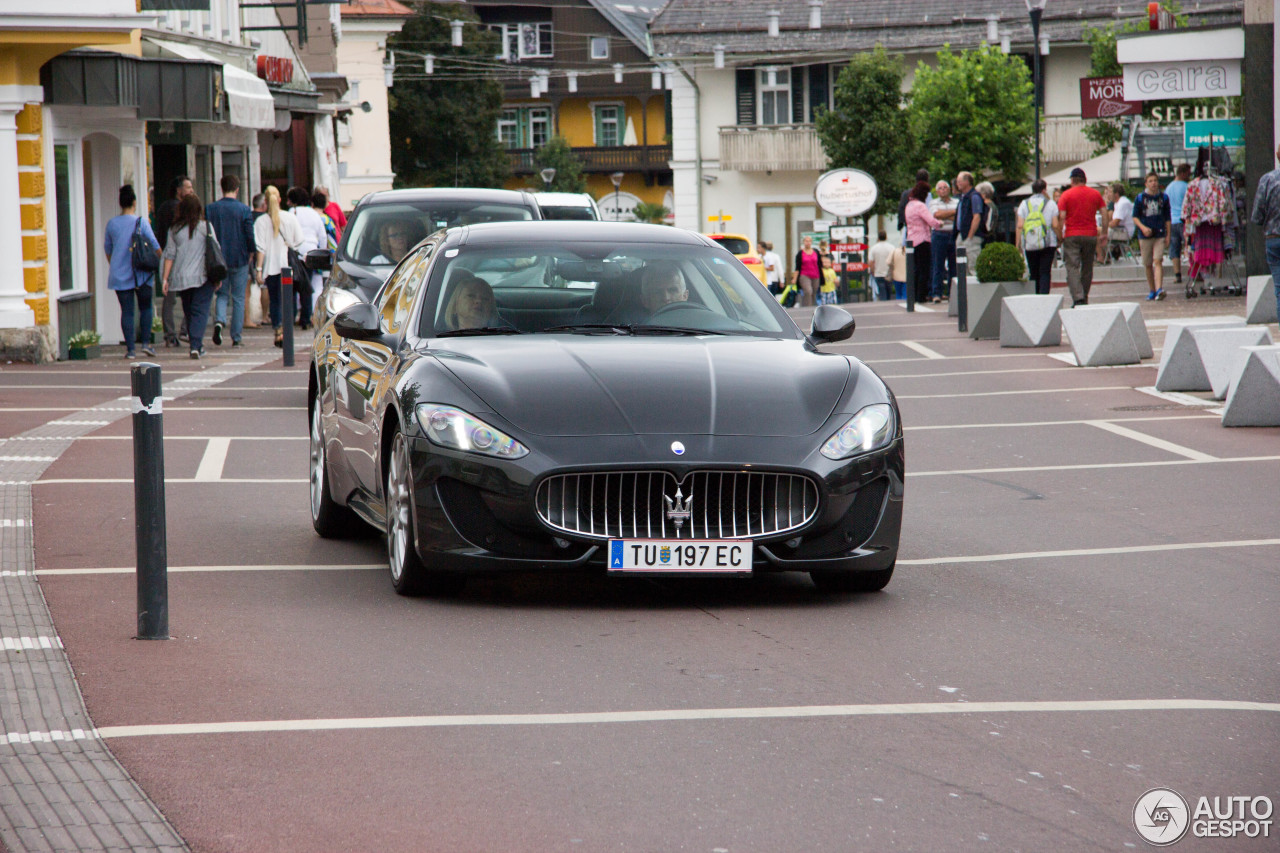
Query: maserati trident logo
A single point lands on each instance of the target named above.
(679, 510)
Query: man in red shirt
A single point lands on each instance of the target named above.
(1078, 218)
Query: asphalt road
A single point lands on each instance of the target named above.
(1086, 601)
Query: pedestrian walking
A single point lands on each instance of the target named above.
(275, 233)
(1177, 193)
(179, 188)
(306, 283)
(132, 285)
(828, 293)
(808, 272)
(1266, 213)
(1152, 215)
(184, 269)
(942, 241)
(898, 272)
(1037, 235)
(232, 221)
(258, 207)
(881, 254)
(920, 225)
(1079, 209)
(971, 218)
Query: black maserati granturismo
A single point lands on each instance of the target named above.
(596, 396)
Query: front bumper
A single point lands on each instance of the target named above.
(477, 515)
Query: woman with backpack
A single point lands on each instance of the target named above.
(132, 255)
(1036, 235)
(185, 271)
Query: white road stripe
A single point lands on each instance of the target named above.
(1177, 397)
(128, 570)
(215, 457)
(228, 437)
(175, 480)
(28, 458)
(949, 373)
(1089, 467)
(1026, 423)
(1090, 552)
(1152, 441)
(13, 644)
(922, 309)
(686, 715)
(13, 522)
(922, 349)
(1009, 393)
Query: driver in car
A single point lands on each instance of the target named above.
(661, 285)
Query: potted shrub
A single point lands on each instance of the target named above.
(84, 345)
(157, 327)
(1000, 270)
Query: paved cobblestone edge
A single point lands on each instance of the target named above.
(61, 789)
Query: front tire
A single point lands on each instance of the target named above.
(409, 575)
(330, 519)
(852, 581)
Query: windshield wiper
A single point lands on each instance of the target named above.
(642, 329)
(480, 330)
(591, 328)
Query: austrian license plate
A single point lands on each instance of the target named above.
(680, 556)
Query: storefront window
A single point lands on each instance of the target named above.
(62, 193)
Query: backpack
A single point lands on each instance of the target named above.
(1035, 231)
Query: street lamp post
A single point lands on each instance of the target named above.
(616, 177)
(548, 175)
(1036, 8)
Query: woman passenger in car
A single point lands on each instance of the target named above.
(395, 241)
(471, 306)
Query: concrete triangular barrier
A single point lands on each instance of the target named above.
(1254, 396)
(1220, 352)
(1180, 366)
(1137, 327)
(1030, 321)
(984, 305)
(1261, 299)
(1099, 335)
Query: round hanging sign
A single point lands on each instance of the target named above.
(846, 192)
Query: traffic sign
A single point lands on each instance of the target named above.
(848, 247)
(857, 266)
(724, 217)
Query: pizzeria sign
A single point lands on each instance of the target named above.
(1103, 97)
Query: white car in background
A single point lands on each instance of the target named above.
(575, 206)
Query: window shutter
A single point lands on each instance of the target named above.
(797, 95)
(745, 78)
(817, 91)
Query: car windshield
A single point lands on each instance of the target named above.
(594, 288)
(381, 234)
(734, 245)
(557, 211)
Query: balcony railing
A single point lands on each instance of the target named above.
(771, 148)
(1064, 141)
(620, 158)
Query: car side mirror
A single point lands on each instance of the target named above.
(358, 322)
(318, 260)
(831, 324)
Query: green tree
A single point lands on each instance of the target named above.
(974, 112)
(557, 154)
(443, 125)
(867, 128)
(647, 211)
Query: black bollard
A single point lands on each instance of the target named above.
(962, 295)
(288, 313)
(911, 275)
(148, 503)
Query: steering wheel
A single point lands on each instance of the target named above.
(673, 307)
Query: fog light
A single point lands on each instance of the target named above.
(795, 543)
(561, 543)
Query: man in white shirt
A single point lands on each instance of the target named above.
(942, 241)
(1120, 227)
(880, 255)
(772, 266)
(313, 237)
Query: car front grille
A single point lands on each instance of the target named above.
(643, 504)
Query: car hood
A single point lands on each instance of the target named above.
(569, 385)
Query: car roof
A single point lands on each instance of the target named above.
(447, 194)
(574, 231)
(564, 199)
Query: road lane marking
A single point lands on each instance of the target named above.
(1011, 425)
(13, 644)
(29, 458)
(128, 570)
(215, 457)
(1088, 467)
(1152, 441)
(1177, 397)
(684, 715)
(89, 481)
(1090, 552)
(922, 349)
(1008, 393)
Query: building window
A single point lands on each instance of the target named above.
(775, 96)
(524, 41)
(608, 125)
(599, 47)
(62, 165)
(524, 127)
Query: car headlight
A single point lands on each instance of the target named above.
(457, 430)
(870, 429)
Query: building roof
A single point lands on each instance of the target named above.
(631, 18)
(694, 27)
(375, 8)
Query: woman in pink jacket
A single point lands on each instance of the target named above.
(920, 225)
